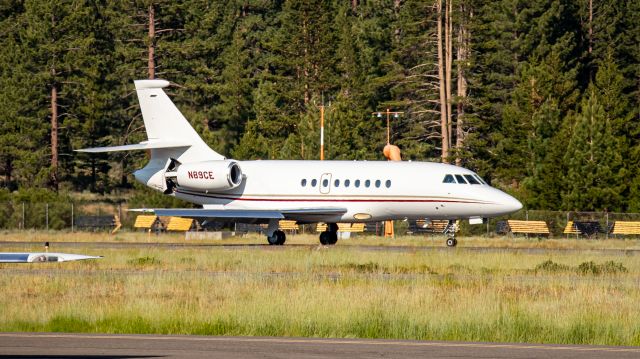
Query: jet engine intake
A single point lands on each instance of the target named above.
(209, 175)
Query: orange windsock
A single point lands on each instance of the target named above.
(392, 152)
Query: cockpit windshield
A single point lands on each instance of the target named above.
(473, 179)
(480, 179)
(460, 179)
(448, 179)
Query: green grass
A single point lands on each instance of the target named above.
(343, 291)
(38, 237)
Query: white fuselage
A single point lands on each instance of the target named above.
(369, 190)
(183, 165)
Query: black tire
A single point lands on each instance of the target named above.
(273, 239)
(281, 237)
(325, 238)
(333, 238)
(451, 242)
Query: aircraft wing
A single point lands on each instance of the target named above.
(11, 257)
(217, 213)
(299, 214)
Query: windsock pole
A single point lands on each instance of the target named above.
(321, 132)
(392, 153)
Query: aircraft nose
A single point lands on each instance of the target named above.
(506, 204)
(511, 204)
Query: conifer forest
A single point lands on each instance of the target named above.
(541, 98)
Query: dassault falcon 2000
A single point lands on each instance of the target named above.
(182, 165)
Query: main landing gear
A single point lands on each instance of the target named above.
(450, 231)
(330, 236)
(277, 238)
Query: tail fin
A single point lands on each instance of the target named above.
(165, 123)
(169, 134)
(171, 139)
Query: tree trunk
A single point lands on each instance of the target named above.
(8, 169)
(443, 100)
(54, 134)
(306, 65)
(54, 120)
(448, 66)
(152, 39)
(590, 26)
(124, 181)
(462, 55)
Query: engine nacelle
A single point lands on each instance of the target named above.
(209, 175)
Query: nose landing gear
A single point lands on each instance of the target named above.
(450, 231)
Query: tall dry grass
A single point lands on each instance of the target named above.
(40, 236)
(342, 291)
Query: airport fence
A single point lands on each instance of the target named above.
(68, 215)
(58, 215)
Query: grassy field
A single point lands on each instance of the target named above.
(570, 242)
(577, 297)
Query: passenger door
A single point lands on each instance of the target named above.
(325, 183)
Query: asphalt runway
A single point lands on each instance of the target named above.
(99, 346)
(261, 246)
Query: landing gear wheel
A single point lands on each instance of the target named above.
(330, 236)
(452, 242)
(278, 238)
(325, 238)
(333, 238)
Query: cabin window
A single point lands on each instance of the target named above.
(460, 179)
(303, 183)
(314, 182)
(378, 183)
(388, 183)
(471, 179)
(336, 183)
(357, 183)
(367, 183)
(449, 179)
(325, 183)
(347, 183)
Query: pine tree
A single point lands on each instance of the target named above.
(494, 65)
(54, 47)
(23, 158)
(547, 90)
(545, 148)
(596, 177)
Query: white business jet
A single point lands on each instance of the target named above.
(182, 165)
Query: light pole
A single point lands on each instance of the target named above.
(396, 115)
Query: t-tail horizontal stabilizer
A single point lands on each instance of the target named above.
(137, 146)
(169, 134)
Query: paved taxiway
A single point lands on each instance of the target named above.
(261, 246)
(55, 345)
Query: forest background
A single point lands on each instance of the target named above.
(541, 98)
